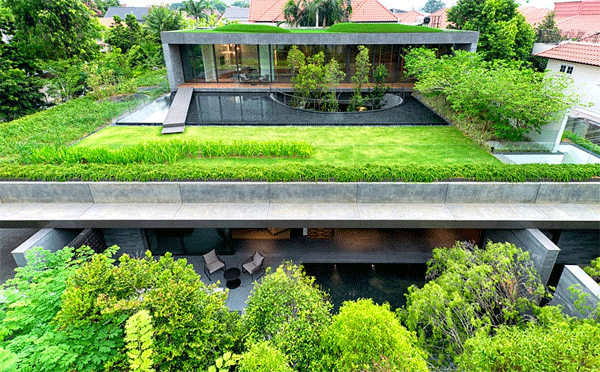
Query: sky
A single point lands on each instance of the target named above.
(398, 4)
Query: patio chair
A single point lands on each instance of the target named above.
(212, 263)
(242, 78)
(254, 264)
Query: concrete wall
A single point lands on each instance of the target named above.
(542, 251)
(130, 241)
(300, 192)
(574, 276)
(50, 239)
(576, 155)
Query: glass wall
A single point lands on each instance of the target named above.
(268, 63)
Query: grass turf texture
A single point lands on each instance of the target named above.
(340, 146)
(337, 28)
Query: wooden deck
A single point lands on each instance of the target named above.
(277, 86)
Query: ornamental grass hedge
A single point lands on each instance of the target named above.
(295, 172)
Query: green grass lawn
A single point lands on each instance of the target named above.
(333, 145)
(337, 28)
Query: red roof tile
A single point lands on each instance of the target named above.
(408, 17)
(534, 15)
(578, 26)
(586, 53)
(573, 8)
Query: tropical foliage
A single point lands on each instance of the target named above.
(503, 31)
(512, 100)
(471, 290)
(290, 312)
(316, 13)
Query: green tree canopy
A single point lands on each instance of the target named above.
(503, 31)
(241, 4)
(369, 337)
(290, 312)
(161, 18)
(553, 343)
(124, 35)
(471, 290)
(58, 29)
(432, 6)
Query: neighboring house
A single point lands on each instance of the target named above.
(410, 18)
(138, 12)
(233, 13)
(439, 19)
(534, 16)
(364, 11)
(581, 61)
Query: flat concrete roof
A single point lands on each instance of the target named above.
(325, 38)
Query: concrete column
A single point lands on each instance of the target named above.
(174, 66)
(50, 239)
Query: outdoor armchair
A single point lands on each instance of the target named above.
(212, 263)
(254, 264)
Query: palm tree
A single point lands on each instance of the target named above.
(197, 9)
(312, 13)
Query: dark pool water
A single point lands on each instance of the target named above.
(260, 109)
(381, 282)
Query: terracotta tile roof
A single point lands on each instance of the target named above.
(408, 17)
(534, 15)
(578, 26)
(362, 11)
(586, 53)
(573, 8)
(371, 11)
(439, 19)
(595, 38)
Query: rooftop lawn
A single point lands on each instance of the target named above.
(342, 146)
(337, 28)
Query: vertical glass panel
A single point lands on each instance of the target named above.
(225, 57)
(266, 61)
(248, 61)
(281, 68)
(193, 64)
(208, 59)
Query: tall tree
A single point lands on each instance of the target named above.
(161, 18)
(241, 4)
(433, 6)
(57, 29)
(504, 32)
(198, 9)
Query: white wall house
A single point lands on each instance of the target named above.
(581, 61)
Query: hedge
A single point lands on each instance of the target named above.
(158, 152)
(300, 172)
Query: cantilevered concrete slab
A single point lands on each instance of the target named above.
(300, 204)
(175, 120)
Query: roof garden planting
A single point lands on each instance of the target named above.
(337, 28)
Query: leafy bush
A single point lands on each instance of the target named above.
(366, 337)
(516, 100)
(290, 312)
(583, 142)
(262, 357)
(192, 324)
(292, 172)
(594, 269)
(471, 290)
(139, 340)
(169, 152)
(552, 344)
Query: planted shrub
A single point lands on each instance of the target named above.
(169, 152)
(263, 357)
(369, 337)
(290, 312)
